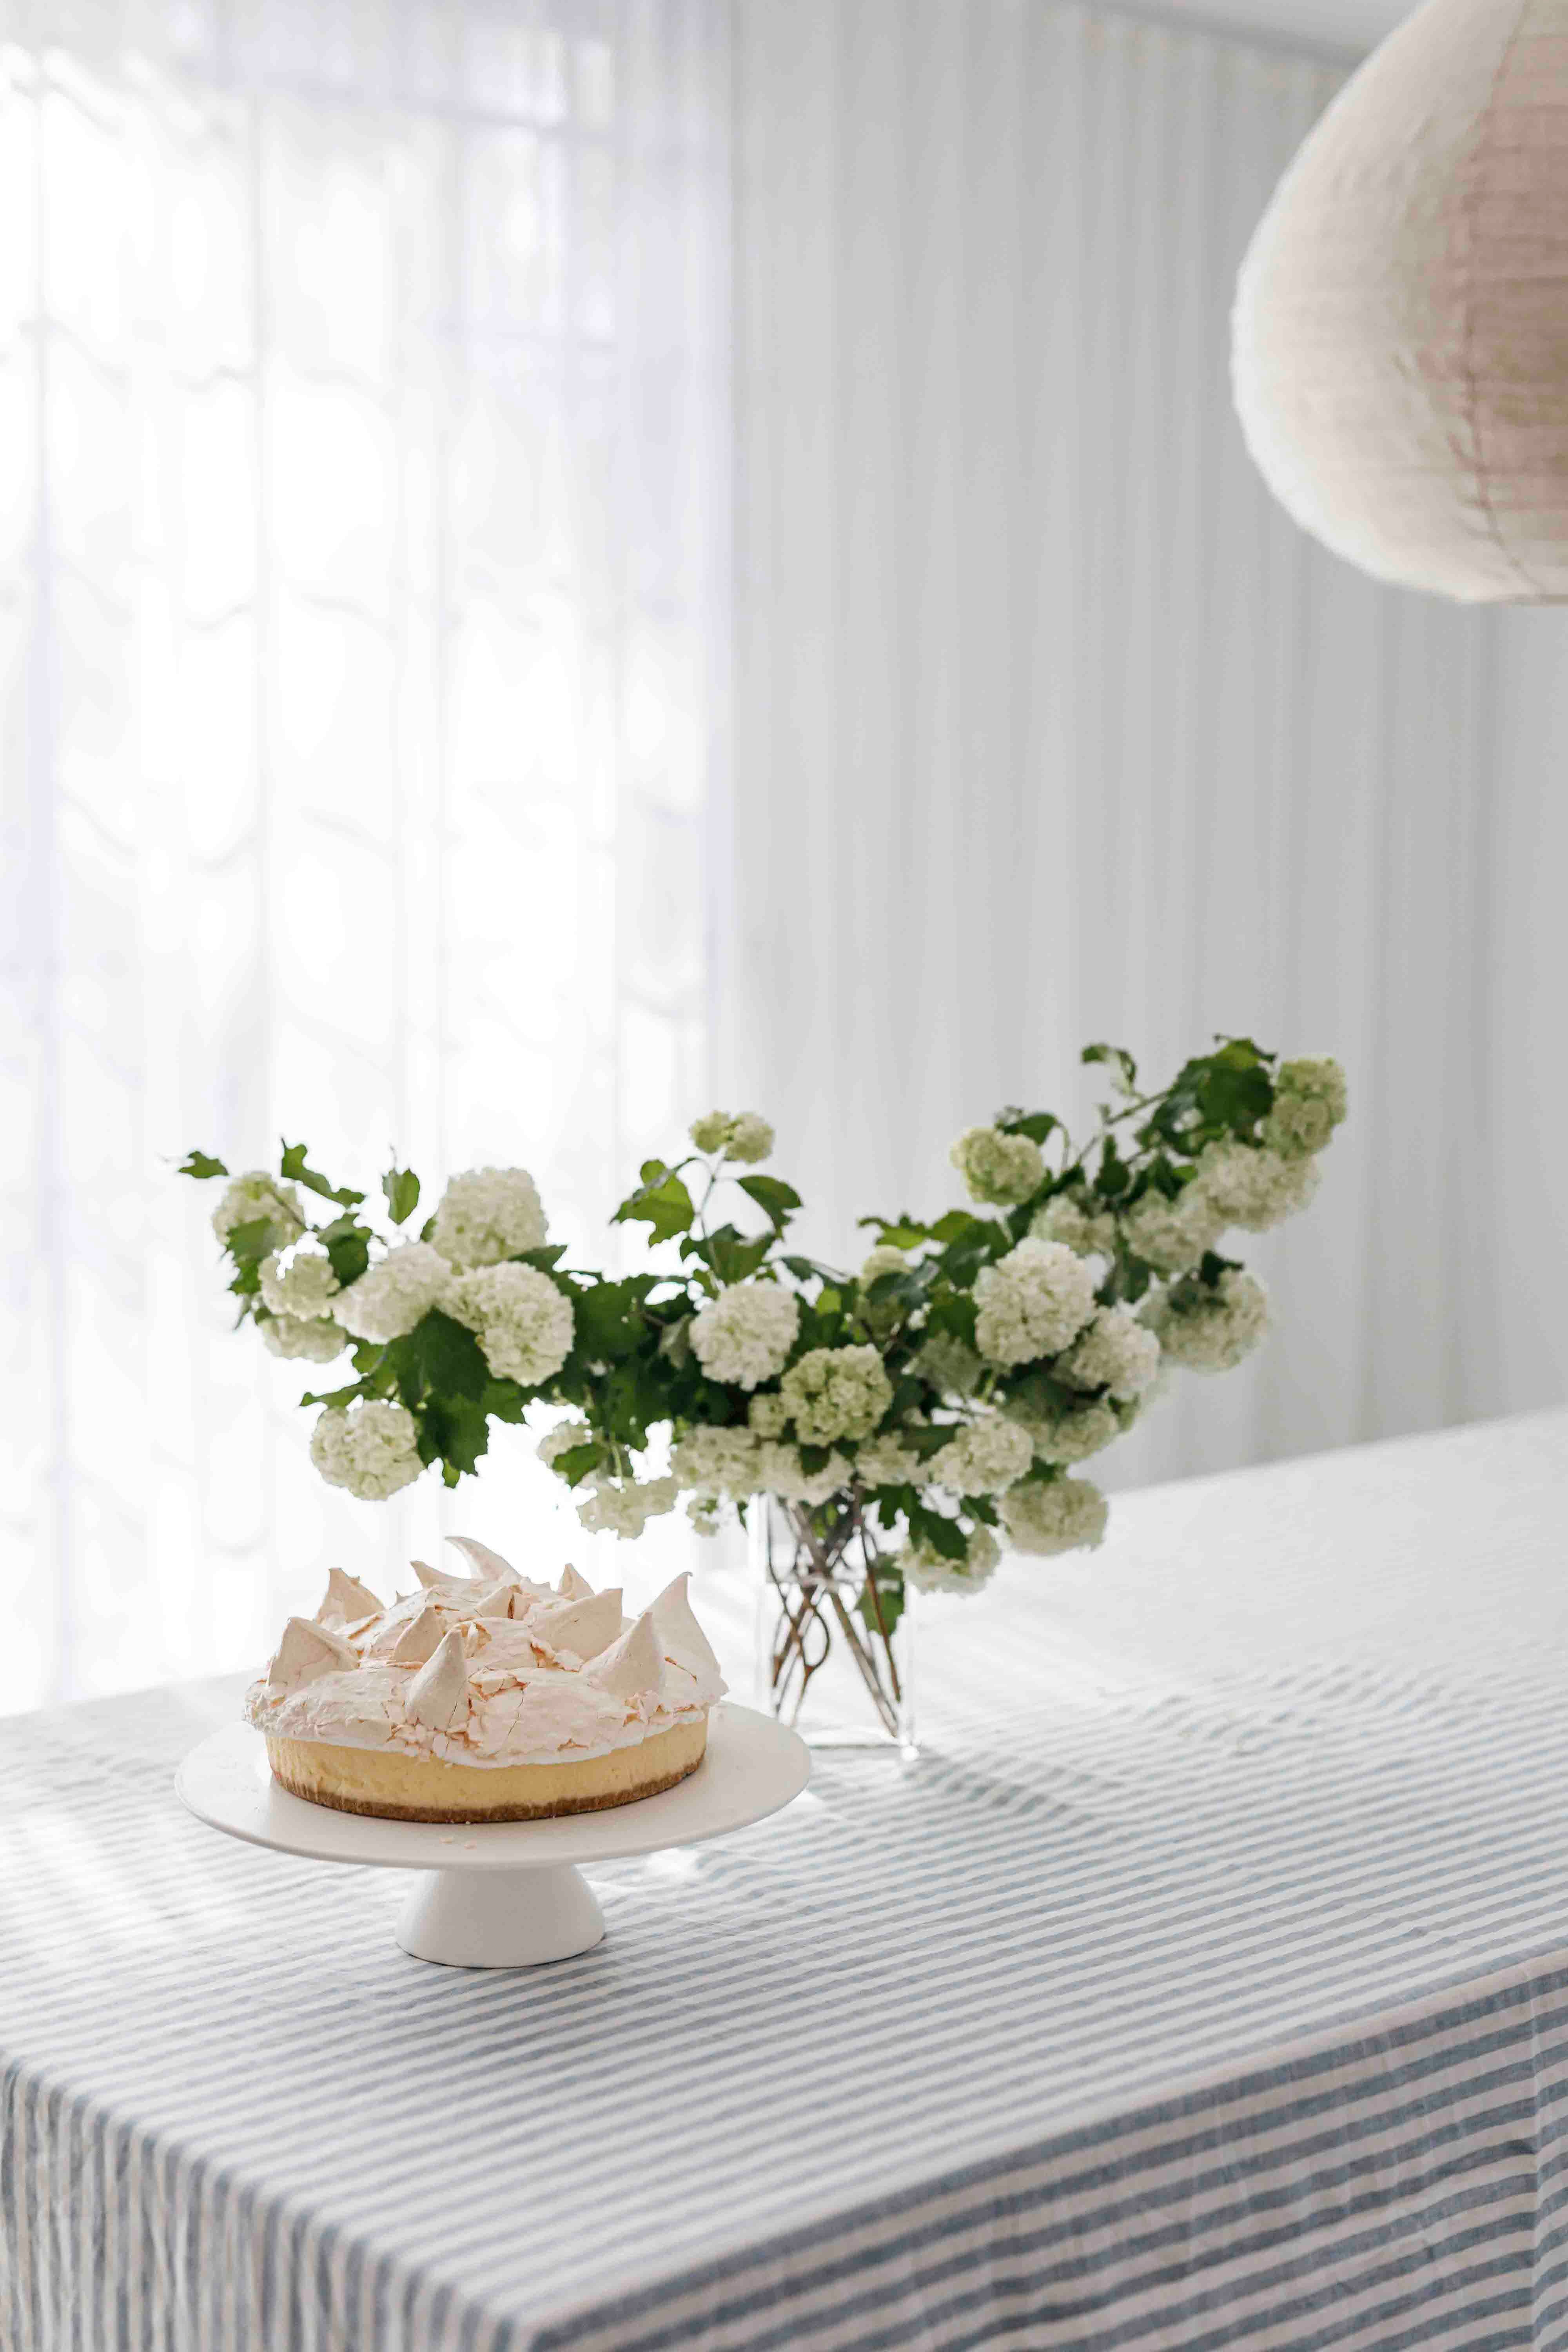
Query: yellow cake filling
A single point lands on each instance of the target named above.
(388, 1781)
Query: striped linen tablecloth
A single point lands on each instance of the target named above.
(1205, 1983)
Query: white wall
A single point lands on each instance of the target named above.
(1051, 726)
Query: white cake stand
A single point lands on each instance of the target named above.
(501, 1895)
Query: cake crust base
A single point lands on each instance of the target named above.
(402, 1787)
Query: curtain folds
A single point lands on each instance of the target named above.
(361, 411)
(1051, 727)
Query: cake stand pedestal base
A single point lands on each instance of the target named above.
(499, 1919)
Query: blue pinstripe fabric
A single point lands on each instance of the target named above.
(1204, 1984)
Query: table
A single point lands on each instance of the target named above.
(1205, 1983)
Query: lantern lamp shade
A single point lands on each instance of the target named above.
(1399, 353)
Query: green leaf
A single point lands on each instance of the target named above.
(958, 1225)
(348, 1395)
(777, 1201)
(348, 1249)
(504, 1399)
(731, 1254)
(675, 1341)
(546, 1259)
(401, 1187)
(609, 1318)
(438, 1362)
(578, 1461)
(944, 1536)
(1120, 1064)
(200, 1164)
(1237, 1090)
(811, 1269)
(294, 1167)
(897, 1232)
(1114, 1176)
(889, 1596)
(256, 1238)
(661, 1202)
(1035, 1124)
(458, 1433)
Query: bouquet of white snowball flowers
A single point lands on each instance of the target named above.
(942, 1394)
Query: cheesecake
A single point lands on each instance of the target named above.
(482, 1696)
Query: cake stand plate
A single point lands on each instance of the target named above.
(501, 1895)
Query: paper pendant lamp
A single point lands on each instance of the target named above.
(1401, 326)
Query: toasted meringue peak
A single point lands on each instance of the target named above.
(307, 1651)
(572, 1586)
(634, 1664)
(495, 1601)
(439, 1695)
(487, 1563)
(585, 1627)
(347, 1601)
(443, 1579)
(421, 1637)
(683, 1638)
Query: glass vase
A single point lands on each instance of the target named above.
(835, 1635)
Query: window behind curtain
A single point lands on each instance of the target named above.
(361, 480)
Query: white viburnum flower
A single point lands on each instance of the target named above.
(258, 1194)
(984, 1458)
(887, 1461)
(524, 1320)
(750, 1138)
(1063, 1437)
(768, 1414)
(623, 1507)
(929, 1570)
(1000, 1168)
(371, 1449)
(1173, 1236)
(1067, 1515)
(780, 1471)
(1089, 1233)
(1033, 1302)
(395, 1294)
(743, 1337)
(1253, 1187)
(883, 1259)
(703, 1513)
(744, 1136)
(837, 1393)
(314, 1342)
(950, 1363)
(1309, 1100)
(1117, 1352)
(488, 1214)
(717, 1461)
(1210, 1330)
(300, 1283)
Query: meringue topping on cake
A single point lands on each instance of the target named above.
(489, 1668)
(584, 1627)
(348, 1602)
(420, 1638)
(439, 1695)
(306, 1652)
(634, 1663)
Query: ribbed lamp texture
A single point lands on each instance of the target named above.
(1400, 353)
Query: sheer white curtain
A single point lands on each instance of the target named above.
(362, 480)
(1051, 727)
